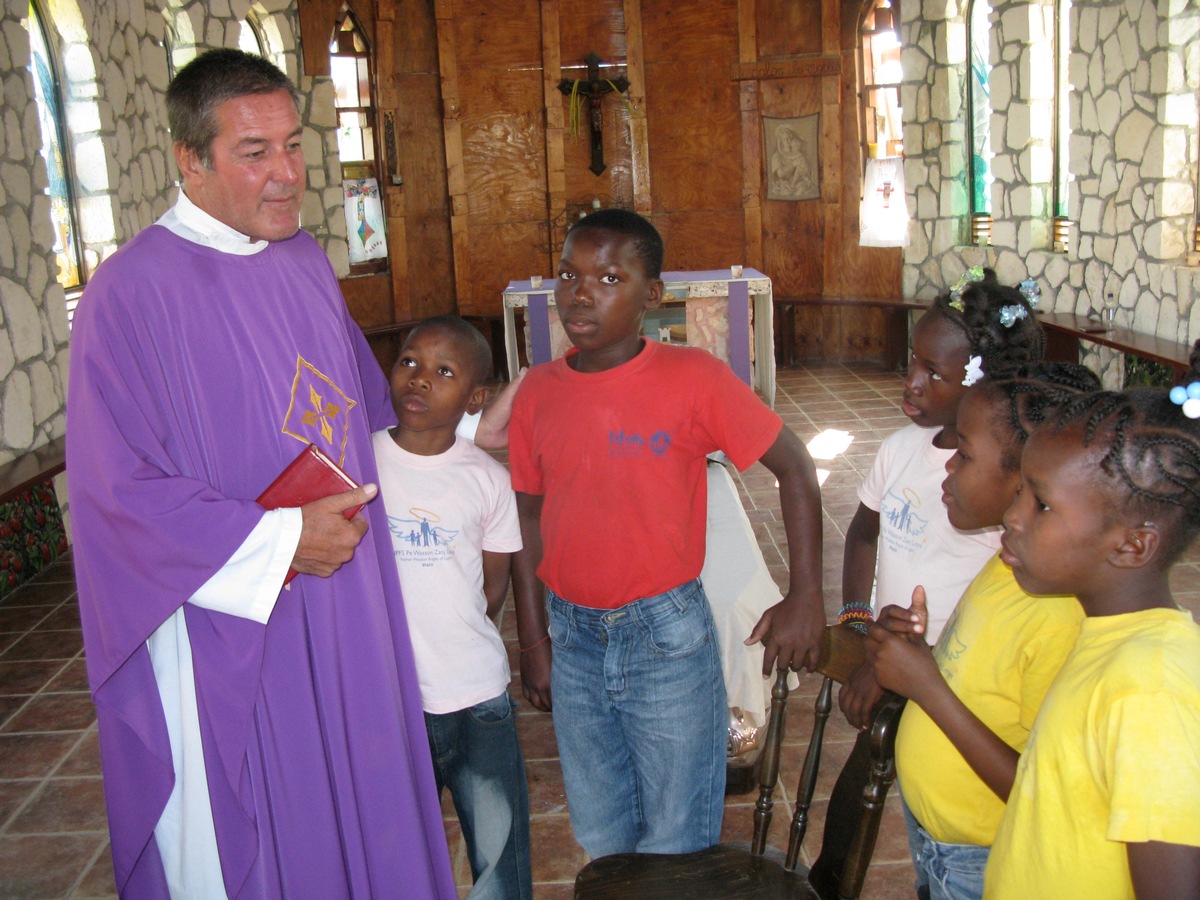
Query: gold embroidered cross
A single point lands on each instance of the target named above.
(321, 413)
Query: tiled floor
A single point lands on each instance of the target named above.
(53, 839)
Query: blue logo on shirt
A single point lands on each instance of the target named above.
(900, 513)
(632, 445)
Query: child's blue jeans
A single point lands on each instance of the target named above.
(639, 712)
(944, 871)
(476, 755)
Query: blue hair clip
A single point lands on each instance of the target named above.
(1187, 397)
(1011, 315)
(1031, 292)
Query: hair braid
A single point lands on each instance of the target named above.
(1151, 451)
(1030, 397)
(976, 311)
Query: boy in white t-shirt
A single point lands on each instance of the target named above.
(453, 518)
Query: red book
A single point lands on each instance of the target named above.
(310, 476)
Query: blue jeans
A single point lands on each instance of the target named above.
(639, 712)
(476, 755)
(944, 871)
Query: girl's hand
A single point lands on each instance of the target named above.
(909, 622)
(902, 665)
(858, 696)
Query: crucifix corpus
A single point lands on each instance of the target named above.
(594, 89)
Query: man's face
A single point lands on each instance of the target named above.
(257, 176)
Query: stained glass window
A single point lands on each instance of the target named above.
(980, 106)
(47, 93)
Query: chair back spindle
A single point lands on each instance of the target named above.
(808, 774)
(768, 775)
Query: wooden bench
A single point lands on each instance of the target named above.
(1065, 332)
(31, 469)
(896, 339)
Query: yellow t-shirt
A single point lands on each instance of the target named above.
(1113, 759)
(999, 652)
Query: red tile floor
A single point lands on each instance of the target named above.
(53, 839)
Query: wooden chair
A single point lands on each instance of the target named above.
(754, 870)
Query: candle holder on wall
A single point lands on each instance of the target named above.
(981, 229)
(1062, 233)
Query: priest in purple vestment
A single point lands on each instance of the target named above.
(255, 741)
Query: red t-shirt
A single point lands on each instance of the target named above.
(620, 459)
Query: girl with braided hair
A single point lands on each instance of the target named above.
(980, 687)
(900, 536)
(1106, 797)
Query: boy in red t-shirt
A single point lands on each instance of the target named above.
(608, 453)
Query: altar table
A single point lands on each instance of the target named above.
(750, 349)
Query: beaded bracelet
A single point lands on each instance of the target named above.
(545, 638)
(856, 615)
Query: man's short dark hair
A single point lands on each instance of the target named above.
(208, 81)
(467, 336)
(647, 242)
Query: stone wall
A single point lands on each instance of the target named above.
(1134, 70)
(33, 317)
(113, 62)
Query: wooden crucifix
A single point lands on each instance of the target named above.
(594, 88)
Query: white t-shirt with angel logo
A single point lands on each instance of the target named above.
(917, 543)
(443, 511)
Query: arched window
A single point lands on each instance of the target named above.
(250, 39)
(350, 68)
(883, 209)
(55, 151)
(882, 128)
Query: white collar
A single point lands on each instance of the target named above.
(192, 223)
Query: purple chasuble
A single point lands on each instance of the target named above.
(196, 376)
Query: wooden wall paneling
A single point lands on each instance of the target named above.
(786, 28)
(503, 148)
(556, 132)
(752, 177)
(695, 130)
(317, 18)
(699, 239)
(456, 182)
(831, 183)
(427, 285)
(505, 251)
(369, 298)
(431, 265)
(503, 143)
(752, 167)
(428, 275)
(639, 134)
(386, 100)
(831, 26)
(810, 335)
